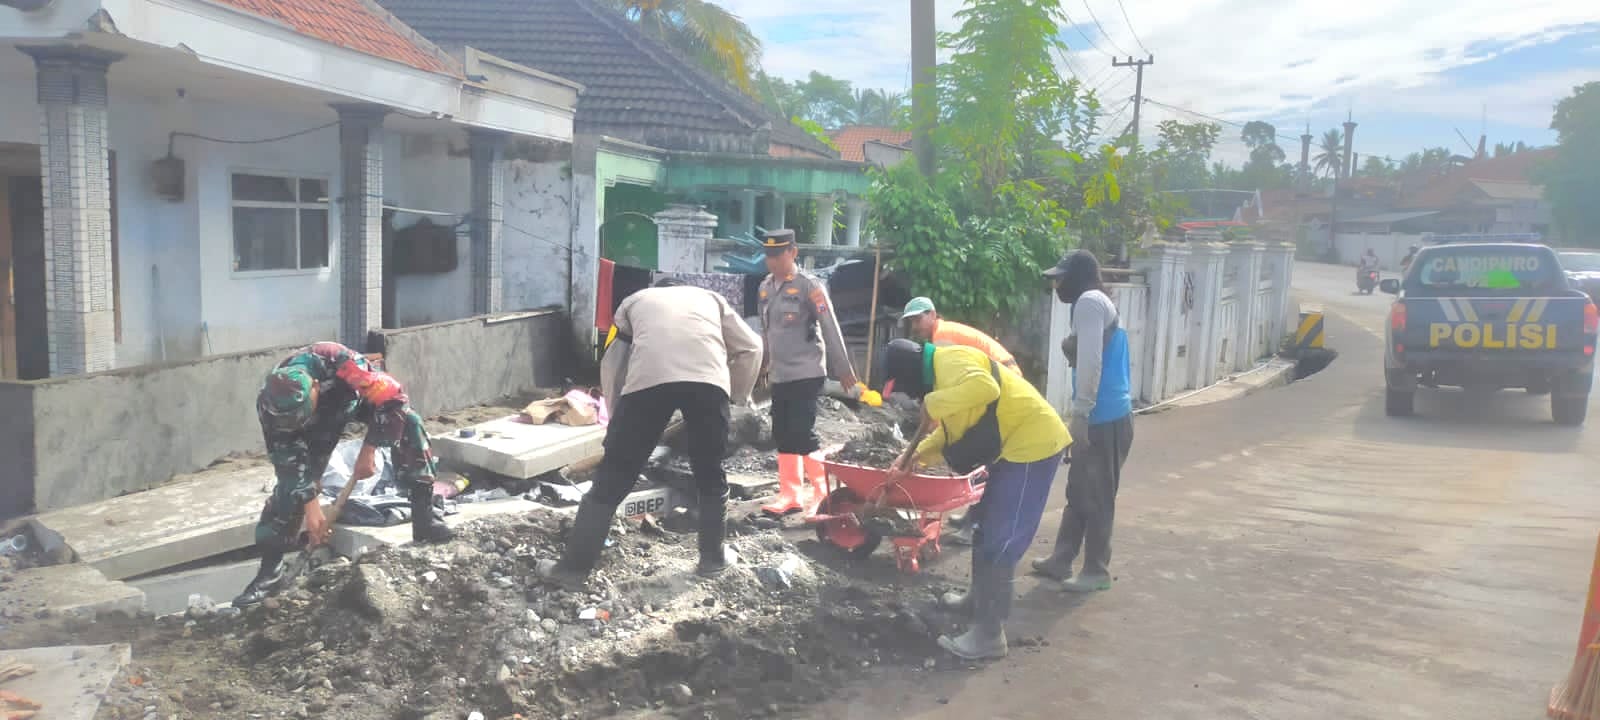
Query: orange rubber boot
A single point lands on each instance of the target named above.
(788, 499)
(817, 478)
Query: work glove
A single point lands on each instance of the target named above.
(1078, 427)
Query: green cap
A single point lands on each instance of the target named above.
(286, 397)
(917, 306)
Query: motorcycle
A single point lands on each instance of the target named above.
(1366, 281)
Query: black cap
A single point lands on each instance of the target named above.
(902, 365)
(778, 240)
(1060, 267)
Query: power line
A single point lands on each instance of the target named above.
(1131, 31)
(1081, 33)
(1213, 118)
(1103, 33)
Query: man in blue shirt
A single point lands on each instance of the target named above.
(1101, 425)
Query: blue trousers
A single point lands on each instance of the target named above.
(1008, 515)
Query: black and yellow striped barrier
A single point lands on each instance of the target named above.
(1310, 333)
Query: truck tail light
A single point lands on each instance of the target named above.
(1591, 319)
(1397, 317)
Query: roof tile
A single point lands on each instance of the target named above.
(852, 140)
(349, 24)
(629, 79)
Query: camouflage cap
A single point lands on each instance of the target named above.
(286, 397)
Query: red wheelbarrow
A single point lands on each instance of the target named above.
(853, 489)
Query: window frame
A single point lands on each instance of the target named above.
(297, 205)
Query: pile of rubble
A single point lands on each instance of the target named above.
(442, 632)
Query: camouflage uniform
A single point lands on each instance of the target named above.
(349, 390)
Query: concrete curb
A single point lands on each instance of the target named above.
(1276, 372)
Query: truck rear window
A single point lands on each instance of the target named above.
(1487, 271)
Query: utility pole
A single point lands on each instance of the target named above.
(1138, 87)
(924, 96)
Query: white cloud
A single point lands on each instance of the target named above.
(1240, 59)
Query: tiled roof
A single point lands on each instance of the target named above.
(634, 87)
(852, 140)
(351, 24)
(1446, 191)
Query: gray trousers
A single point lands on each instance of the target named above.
(1092, 482)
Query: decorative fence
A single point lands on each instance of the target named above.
(1194, 313)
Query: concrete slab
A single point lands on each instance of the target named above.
(745, 487)
(518, 449)
(169, 593)
(162, 527)
(75, 589)
(348, 539)
(69, 680)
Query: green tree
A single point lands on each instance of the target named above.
(1571, 177)
(1185, 149)
(1378, 167)
(1001, 204)
(704, 31)
(1504, 149)
(1331, 160)
(1430, 163)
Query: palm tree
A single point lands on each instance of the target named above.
(1331, 159)
(876, 107)
(705, 31)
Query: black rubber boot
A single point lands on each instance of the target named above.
(585, 542)
(266, 580)
(424, 526)
(713, 528)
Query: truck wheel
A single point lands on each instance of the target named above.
(1398, 403)
(1569, 410)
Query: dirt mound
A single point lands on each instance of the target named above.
(431, 633)
(879, 446)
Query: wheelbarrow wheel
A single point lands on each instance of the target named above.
(845, 532)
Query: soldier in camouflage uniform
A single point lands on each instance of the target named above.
(304, 406)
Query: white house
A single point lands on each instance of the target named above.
(182, 178)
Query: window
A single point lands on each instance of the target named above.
(279, 223)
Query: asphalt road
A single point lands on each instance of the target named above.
(1297, 554)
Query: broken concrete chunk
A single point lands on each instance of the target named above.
(370, 590)
(681, 694)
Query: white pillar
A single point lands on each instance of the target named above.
(824, 229)
(1207, 262)
(360, 221)
(855, 209)
(80, 308)
(682, 232)
(1247, 257)
(486, 153)
(1279, 261)
(747, 210)
(1163, 271)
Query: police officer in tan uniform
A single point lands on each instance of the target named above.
(801, 339)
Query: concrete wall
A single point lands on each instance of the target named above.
(1390, 247)
(431, 173)
(477, 360)
(538, 234)
(16, 447)
(105, 434)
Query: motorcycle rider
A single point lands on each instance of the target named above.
(1368, 263)
(1405, 262)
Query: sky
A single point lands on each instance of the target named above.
(1410, 74)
